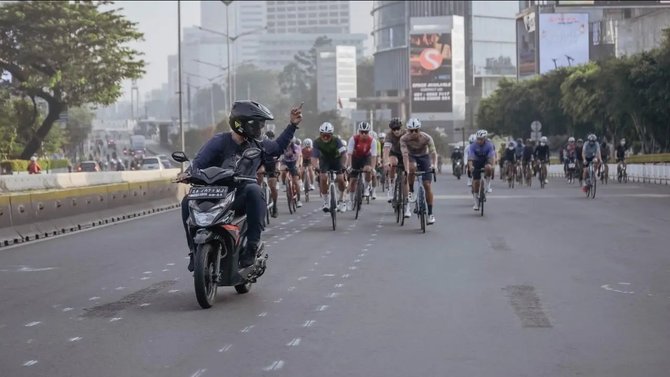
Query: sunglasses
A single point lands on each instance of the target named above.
(364, 132)
(395, 130)
(326, 136)
(414, 131)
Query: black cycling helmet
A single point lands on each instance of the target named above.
(270, 135)
(247, 118)
(395, 123)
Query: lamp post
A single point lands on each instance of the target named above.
(181, 124)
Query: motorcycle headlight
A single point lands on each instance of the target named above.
(206, 218)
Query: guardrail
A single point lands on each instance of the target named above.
(644, 173)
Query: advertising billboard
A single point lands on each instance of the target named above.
(564, 40)
(430, 72)
(526, 46)
(613, 3)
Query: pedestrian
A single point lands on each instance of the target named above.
(33, 166)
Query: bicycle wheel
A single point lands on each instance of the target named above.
(266, 192)
(358, 198)
(397, 197)
(482, 197)
(333, 206)
(421, 207)
(289, 195)
(305, 183)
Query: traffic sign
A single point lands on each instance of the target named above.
(536, 135)
(536, 125)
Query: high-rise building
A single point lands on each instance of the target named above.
(336, 78)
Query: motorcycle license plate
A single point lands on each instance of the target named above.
(209, 192)
(571, 166)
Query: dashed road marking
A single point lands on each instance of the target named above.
(302, 278)
(247, 329)
(31, 324)
(309, 323)
(199, 373)
(115, 319)
(328, 275)
(277, 301)
(225, 348)
(333, 295)
(345, 276)
(277, 365)
(322, 308)
(264, 314)
(293, 343)
(75, 339)
(67, 309)
(94, 298)
(339, 285)
(30, 363)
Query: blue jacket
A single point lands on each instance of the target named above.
(221, 148)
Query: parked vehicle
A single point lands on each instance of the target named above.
(88, 166)
(151, 163)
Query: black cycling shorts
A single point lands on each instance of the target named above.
(358, 163)
(588, 161)
(292, 167)
(330, 164)
(423, 164)
(477, 166)
(270, 170)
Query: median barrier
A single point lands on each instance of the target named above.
(642, 173)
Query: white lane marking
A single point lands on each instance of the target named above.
(30, 363)
(225, 348)
(365, 250)
(311, 270)
(374, 234)
(352, 267)
(144, 304)
(165, 270)
(328, 275)
(120, 288)
(339, 285)
(247, 329)
(115, 319)
(94, 298)
(199, 373)
(368, 245)
(361, 254)
(67, 309)
(170, 264)
(345, 276)
(316, 263)
(357, 260)
(608, 288)
(75, 339)
(277, 365)
(293, 343)
(173, 291)
(264, 314)
(328, 252)
(622, 283)
(29, 341)
(333, 295)
(146, 272)
(277, 301)
(302, 278)
(309, 323)
(290, 289)
(33, 269)
(322, 308)
(31, 324)
(282, 239)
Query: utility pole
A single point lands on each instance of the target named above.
(181, 122)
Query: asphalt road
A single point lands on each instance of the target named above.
(547, 283)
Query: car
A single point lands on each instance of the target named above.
(151, 163)
(88, 166)
(167, 164)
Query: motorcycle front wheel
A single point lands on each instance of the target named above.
(204, 280)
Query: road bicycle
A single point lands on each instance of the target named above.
(421, 205)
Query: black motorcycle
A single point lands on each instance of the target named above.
(219, 233)
(458, 168)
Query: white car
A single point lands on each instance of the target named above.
(151, 163)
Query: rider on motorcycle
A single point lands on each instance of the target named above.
(247, 119)
(456, 156)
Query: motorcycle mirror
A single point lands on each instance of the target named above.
(179, 156)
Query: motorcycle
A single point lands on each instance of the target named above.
(218, 232)
(458, 169)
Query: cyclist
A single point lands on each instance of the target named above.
(456, 156)
(418, 148)
(518, 150)
(327, 154)
(361, 155)
(590, 152)
(605, 154)
(542, 154)
(568, 152)
(270, 167)
(466, 156)
(392, 154)
(527, 158)
(379, 169)
(373, 185)
(481, 156)
(290, 160)
(621, 152)
(509, 159)
(499, 160)
(307, 161)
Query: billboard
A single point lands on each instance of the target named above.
(526, 46)
(564, 40)
(430, 61)
(613, 3)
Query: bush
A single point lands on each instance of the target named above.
(22, 165)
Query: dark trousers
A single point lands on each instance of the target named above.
(249, 200)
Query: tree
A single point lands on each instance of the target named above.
(365, 81)
(68, 54)
(77, 129)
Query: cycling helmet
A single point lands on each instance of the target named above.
(511, 144)
(623, 141)
(472, 138)
(482, 134)
(33, 159)
(458, 147)
(382, 135)
(580, 141)
(413, 124)
(247, 118)
(326, 128)
(519, 141)
(270, 135)
(307, 143)
(528, 141)
(395, 123)
(543, 139)
(592, 137)
(571, 140)
(364, 127)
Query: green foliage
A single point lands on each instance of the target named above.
(22, 165)
(66, 53)
(624, 97)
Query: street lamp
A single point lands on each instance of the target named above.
(181, 124)
(230, 40)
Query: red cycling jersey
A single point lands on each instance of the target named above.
(362, 146)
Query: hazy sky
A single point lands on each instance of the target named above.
(158, 21)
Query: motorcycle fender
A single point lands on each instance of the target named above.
(203, 236)
(234, 231)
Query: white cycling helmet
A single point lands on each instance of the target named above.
(592, 137)
(482, 134)
(364, 127)
(472, 138)
(413, 124)
(326, 128)
(307, 143)
(297, 141)
(571, 140)
(382, 135)
(543, 139)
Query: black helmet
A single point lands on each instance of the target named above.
(247, 118)
(270, 135)
(395, 123)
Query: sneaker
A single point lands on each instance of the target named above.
(249, 255)
(546, 181)
(408, 213)
(298, 204)
(469, 182)
(431, 219)
(489, 190)
(311, 187)
(584, 189)
(350, 205)
(326, 206)
(273, 213)
(388, 195)
(476, 206)
(374, 195)
(341, 206)
(411, 198)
